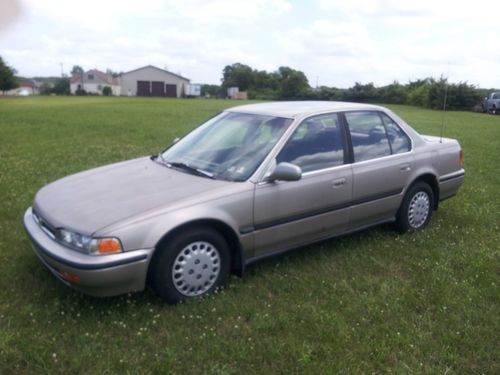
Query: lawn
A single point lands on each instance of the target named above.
(371, 302)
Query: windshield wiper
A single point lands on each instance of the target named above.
(196, 171)
(159, 159)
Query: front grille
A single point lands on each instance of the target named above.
(44, 225)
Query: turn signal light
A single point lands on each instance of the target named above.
(74, 279)
(108, 246)
(461, 158)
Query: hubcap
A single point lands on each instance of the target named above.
(196, 268)
(418, 211)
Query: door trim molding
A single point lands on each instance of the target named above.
(317, 212)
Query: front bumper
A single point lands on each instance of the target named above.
(100, 276)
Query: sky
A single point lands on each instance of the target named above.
(334, 42)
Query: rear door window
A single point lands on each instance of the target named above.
(400, 142)
(368, 135)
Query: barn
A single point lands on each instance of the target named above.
(152, 81)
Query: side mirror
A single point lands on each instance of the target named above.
(286, 172)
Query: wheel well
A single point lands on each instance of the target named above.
(222, 228)
(431, 180)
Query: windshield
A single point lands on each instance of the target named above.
(230, 146)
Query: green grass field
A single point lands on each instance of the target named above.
(371, 302)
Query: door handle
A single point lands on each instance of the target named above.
(339, 182)
(405, 167)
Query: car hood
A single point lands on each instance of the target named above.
(91, 200)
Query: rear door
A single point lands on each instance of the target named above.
(291, 213)
(382, 165)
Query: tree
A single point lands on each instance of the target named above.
(76, 70)
(112, 73)
(61, 86)
(8, 80)
(237, 75)
(293, 84)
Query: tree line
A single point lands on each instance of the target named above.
(290, 84)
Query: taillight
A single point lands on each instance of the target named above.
(461, 158)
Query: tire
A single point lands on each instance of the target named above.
(193, 264)
(416, 208)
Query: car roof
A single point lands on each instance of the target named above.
(300, 109)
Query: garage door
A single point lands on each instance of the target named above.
(143, 88)
(171, 90)
(157, 88)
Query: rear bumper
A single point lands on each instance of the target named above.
(99, 276)
(450, 183)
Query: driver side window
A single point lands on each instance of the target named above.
(316, 144)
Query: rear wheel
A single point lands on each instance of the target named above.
(416, 208)
(192, 264)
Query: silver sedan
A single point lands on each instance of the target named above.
(254, 181)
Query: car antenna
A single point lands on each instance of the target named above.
(444, 104)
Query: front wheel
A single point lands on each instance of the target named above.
(193, 264)
(416, 208)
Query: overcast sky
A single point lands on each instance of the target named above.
(334, 42)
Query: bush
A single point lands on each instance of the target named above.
(106, 91)
(419, 95)
(366, 93)
(394, 94)
(45, 89)
(80, 92)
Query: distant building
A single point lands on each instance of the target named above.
(152, 81)
(235, 93)
(25, 88)
(93, 82)
(192, 89)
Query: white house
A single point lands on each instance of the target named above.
(25, 88)
(93, 82)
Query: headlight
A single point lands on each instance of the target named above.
(87, 244)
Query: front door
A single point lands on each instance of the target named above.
(290, 213)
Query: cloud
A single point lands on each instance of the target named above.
(340, 42)
(324, 39)
(228, 12)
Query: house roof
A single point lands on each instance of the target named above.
(77, 78)
(162, 70)
(26, 84)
